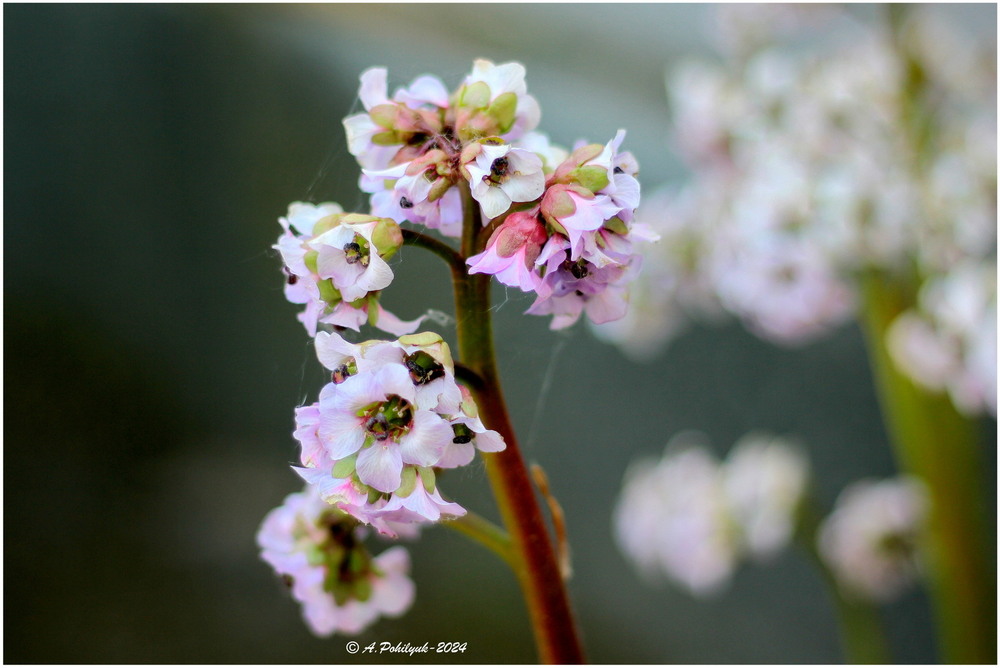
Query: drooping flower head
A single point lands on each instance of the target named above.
(318, 549)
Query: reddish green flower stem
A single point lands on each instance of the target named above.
(533, 557)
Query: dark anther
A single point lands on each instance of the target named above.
(578, 269)
(352, 253)
(340, 374)
(378, 427)
(619, 170)
(292, 279)
(580, 294)
(499, 168)
(405, 203)
(423, 368)
(462, 434)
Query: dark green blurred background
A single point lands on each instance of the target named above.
(152, 364)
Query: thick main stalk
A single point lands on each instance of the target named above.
(533, 556)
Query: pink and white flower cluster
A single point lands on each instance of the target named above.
(691, 519)
(410, 146)
(318, 549)
(573, 245)
(812, 169)
(335, 264)
(391, 417)
(562, 224)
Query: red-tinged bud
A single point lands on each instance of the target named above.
(520, 228)
(556, 203)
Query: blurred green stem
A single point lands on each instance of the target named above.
(533, 557)
(862, 634)
(935, 443)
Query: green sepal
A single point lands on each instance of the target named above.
(428, 478)
(363, 589)
(311, 258)
(503, 110)
(387, 237)
(616, 225)
(387, 138)
(438, 190)
(420, 339)
(591, 177)
(384, 115)
(556, 227)
(409, 482)
(328, 293)
(341, 590)
(315, 555)
(327, 223)
(476, 95)
(345, 467)
(373, 495)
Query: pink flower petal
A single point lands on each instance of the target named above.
(380, 466)
(423, 444)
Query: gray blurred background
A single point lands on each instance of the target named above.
(152, 364)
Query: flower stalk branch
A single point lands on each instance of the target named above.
(534, 559)
(484, 532)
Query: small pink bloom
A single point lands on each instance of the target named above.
(297, 541)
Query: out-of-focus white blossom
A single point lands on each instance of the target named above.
(765, 479)
(672, 519)
(870, 152)
(948, 342)
(870, 540)
(691, 519)
(319, 551)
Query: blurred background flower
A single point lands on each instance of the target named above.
(150, 150)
